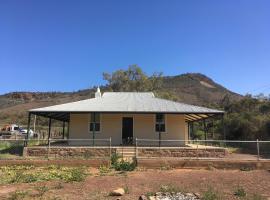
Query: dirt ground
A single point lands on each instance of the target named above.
(136, 183)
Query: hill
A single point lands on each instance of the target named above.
(198, 89)
(191, 88)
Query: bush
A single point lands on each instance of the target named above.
(170, 189)
(210, 194)
(41, 190)
(257, 197)
(125, 166)
(76, 174)
(240, 192)
(122, 165)
(103, 170)
(20, 177)
(18, 195)
(114, 159)
(29, 174)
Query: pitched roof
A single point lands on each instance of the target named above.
(136, 102)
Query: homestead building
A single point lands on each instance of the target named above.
(124, 116)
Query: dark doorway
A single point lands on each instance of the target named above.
(127, 130)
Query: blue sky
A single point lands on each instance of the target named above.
(65, 45)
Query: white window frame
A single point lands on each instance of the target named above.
(165, 122)
(89, 122)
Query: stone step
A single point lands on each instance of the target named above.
(126, 152)
(129, 153)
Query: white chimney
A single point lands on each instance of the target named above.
(98, 93)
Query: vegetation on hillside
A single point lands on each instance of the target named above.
(246, 117)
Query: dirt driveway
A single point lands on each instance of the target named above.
(97, 186)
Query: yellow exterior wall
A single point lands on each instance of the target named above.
(143, 127)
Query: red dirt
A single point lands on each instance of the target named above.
(95, 186)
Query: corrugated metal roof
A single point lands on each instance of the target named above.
(127, 102)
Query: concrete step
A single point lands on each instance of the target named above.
(127, 152)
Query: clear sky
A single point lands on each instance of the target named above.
(65, 45)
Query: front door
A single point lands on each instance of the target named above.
(127, 130)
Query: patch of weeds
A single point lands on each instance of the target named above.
(41, 190)
(103, 170)
(170, 189)
(246, 168)
(165, 167)
(257, 197)
(29, 174)
(122, 165)
(210, 167)
(240, 192)
(58, 186)
(210, 194)
(126, 189)
(148, 194)
(21, 177)
(18, 195)
(125, 166)
(114, 159)
(54, 198)
(75, 174)
(141, 169)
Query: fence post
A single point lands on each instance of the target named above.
(136, 150)
(258, 150)
(49, 146)
(110, 147)
(197, 153)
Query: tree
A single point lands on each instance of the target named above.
(133, 80)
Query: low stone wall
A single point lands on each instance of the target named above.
(150, 152)
(58, 152)
(142, 152)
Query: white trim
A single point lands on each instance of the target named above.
(100, 122)
(165, 119)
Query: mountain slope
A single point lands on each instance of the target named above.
(191, 88)
(195, 88)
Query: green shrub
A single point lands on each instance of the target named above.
(76, 174)
(18, 195)
(58, 186)
(257, 197)
(169, 189)
(41, 190)
(148, 194)
(125, 166)
(20, 177)
(29, 174)
(246, 168)
(126, 189)
(103, 169)
(122, 165)
(210, 194)
(240, 192)
(114, 158)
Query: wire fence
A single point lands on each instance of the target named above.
(143, 148)
(204, 149)
(55, 148)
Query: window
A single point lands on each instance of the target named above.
(94, 122)
(160, 123)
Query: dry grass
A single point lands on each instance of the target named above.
(214, 184)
